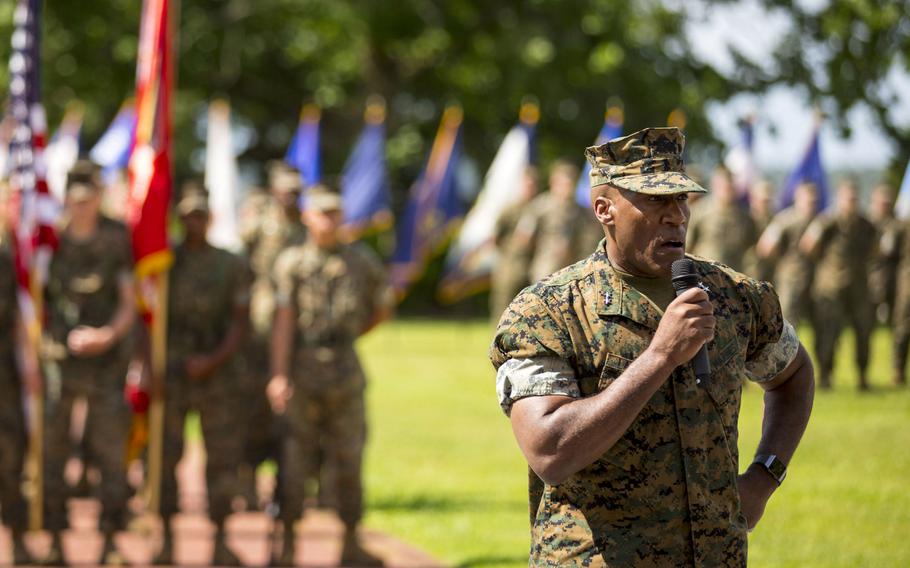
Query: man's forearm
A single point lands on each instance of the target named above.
(234, 337)
(282, 335)
(787, 410)
(577, 432)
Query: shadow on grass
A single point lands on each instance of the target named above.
(493, 561)
(435, 503)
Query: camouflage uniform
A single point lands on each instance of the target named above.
(666, 492)
(560, 232)
(206, 285)
(901, 317)
(510, 273)
(759, 268)
(12, 421)
(268, 232)
(883, 269)
(723, 233)
(83, 288)
(334, 295)
(840, 291)
(793, 275)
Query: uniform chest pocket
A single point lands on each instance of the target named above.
(613, 366)
(727, 372)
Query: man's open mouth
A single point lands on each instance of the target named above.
(671, 244)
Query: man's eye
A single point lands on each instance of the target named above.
(682, 197)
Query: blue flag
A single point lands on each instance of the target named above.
(303, 152)
(611, 129)
(364, 180)
(112, 151)
(810, 170)
(433, 206)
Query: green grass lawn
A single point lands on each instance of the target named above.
(443, 470)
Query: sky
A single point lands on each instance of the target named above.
(784, 117)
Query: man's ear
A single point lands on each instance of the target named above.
(604, 208)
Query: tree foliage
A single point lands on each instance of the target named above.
(269, 56)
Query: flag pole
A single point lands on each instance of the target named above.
(36, 415)
(156, 405)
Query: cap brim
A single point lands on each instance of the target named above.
(662, 183)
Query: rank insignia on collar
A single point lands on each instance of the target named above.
(608, 297)
(704, 287)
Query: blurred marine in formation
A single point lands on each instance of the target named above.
(270, 224)
(901, 319)
(510, 274)
(17, 369)
(327, 295)
(90, 308)
(780, 244)
(722, 228)
(208, 314)
(841, 243)
(761, 207)
(883, 272)
(558, 230)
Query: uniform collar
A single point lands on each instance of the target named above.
(616, 298)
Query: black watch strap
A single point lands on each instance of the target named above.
(773, 465)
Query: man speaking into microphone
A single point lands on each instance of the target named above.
(634, 459)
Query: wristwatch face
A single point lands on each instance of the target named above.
(774, 466)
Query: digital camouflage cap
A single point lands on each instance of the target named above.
(648, 161)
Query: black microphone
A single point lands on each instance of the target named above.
(684, 277)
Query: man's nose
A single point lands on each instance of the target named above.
(676, 212)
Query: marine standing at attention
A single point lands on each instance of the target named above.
(328, 294)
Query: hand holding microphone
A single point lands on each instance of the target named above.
(687, 324)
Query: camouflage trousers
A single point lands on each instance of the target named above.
(901, 326)
(263, 438)
(106, 430)
(219, 407)
(12, 447)
(832, 312)
(325, 414)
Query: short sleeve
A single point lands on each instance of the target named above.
(284, 277)
(773, 343)
(531, 353)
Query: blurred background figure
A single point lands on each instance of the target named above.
(18, 371)
(721, 228)
(327, 295)
(901, 317)
(510, 273)
(761, 208)
(883, 269)
(91, 308)
(841, 243)
(780, 244)
(557, 230)
(270, 224)
(208, 315)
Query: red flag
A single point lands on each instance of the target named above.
(150, 164)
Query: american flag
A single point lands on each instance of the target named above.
(35, 209)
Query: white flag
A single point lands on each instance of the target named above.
(221, 179)
(473, 253)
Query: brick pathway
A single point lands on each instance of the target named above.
(318, 535)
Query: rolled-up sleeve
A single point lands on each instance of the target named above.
(773, 343)
(532, 353)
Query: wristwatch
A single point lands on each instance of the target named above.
(773, 465)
